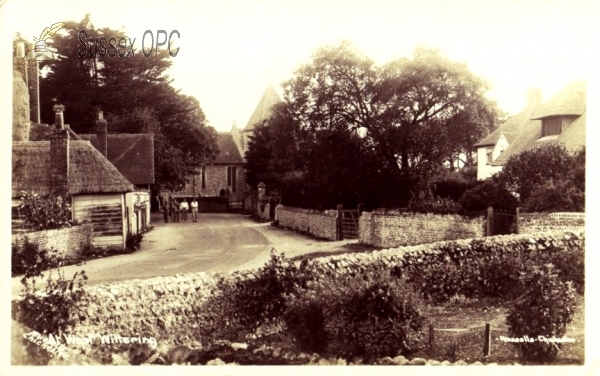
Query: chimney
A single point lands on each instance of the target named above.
(101, 134)
(33, 83)
(534, 96)
(59, 155)
(21, 103)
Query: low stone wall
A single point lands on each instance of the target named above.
(539, 222)
(168, 309)
(320, 224)
(66, 241)
(392, 228)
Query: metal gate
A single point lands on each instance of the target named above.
(348, 224)
(502, 222)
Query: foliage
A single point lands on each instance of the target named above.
(28, 260)
(51, 311)
(354, 132)
(372, 315)
(488, 193)
(424, 202)
(544, 309)
(485, 269)
(136, 96)
(242, 304)
(453, 184)
(44, 213)
(547, 167)
(132, 242)
(555, 196)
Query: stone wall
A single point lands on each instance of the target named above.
(542, 222)
(391, 228)
(166, 308)
(66, 241)
(319, 224)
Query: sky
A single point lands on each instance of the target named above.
(231, 50)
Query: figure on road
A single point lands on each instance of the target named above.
(165, 210)
(194, 205)
(183, 208)
(175, 211)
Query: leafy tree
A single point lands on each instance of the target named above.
(399, 124)
(547, 177)
(135, 95)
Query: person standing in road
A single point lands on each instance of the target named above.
(175, 211)
(194, 206)
(183, 208)
(165, 210)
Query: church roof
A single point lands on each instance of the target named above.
(228, 151)
(263, 110)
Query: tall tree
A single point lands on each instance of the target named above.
(134, 92)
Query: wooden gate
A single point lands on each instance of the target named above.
(348, 224)
(502, 222)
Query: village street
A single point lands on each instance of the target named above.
(216, 243)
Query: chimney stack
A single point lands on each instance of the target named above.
(33, 83)
(101, 131)
(59, 121)
(534, 96)
(59, 155)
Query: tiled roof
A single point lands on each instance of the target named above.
(132, 154)
(263, 110)
(89, 171)
(228, 151)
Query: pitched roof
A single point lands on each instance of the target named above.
(89, 171)
(569, 101)
(511, 128)
(228, 151)
(263, 110)
(132, 154)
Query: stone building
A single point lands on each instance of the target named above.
(226, 175)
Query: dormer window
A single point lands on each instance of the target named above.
(552, 126)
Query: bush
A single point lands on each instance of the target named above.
(544, 309)
(27, 259)
(556, 195)
(424, 202)
(488, 193)
(453, 184)
(241, 304)
(132, 242)
(50, 312)
(371, 316)
(46, 213)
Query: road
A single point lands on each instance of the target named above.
(216, 243)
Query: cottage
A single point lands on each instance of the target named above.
(99, 193)
(561, 119)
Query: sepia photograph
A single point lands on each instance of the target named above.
(274, 183)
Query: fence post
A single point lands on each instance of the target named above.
(487, 340)
(338, 235)
(517, 212)
(431, 338)
(490, 215)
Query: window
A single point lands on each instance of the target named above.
(203, 177)
(232, 177)
(551, 126)
(488, 153)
